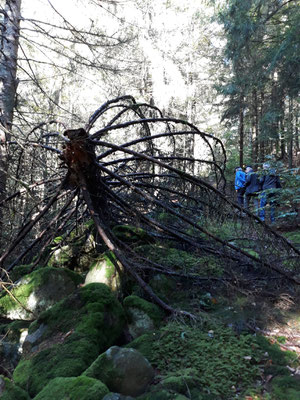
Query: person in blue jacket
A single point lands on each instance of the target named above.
(269, 183)
(239, 185)
(252, 186)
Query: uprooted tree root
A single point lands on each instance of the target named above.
(135, 182)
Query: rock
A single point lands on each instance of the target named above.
(11, 339)
(123, 370)
(9, 391)
(104, 271)
(143, 316)
(32, 339)
(78, 329)
(76, 388)
(37, 292)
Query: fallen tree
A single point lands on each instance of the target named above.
(134, 182)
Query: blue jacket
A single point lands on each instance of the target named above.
(240, 178)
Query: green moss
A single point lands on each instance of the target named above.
(32, 281)
(152, 310)
(285, 388)
(80, 388)
(293, 236)
(19, 271)
(11, 391)
(131, 234)
(84, 324)
(102, 369)
(13, 330)
(183, 260)
(144, 344)
(216, 356)
(106, 260)
(182, 382)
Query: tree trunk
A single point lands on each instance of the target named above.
(241, 135)
(254, 155)
(8, 82)
(290, 134)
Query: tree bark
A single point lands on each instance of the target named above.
(241, 135)
(254, 156)
(8, 82)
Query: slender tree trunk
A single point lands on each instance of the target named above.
(262, 138)
(8, 82)
(254, 156)
(241, 135)
(290, 134)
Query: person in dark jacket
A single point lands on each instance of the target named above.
(239, 185)
(252, 186)
(269, 183)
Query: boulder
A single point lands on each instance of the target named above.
(38, 291)
(143, 316)
(103, 270)
(76, 388)
(67, 338)
(123, 370)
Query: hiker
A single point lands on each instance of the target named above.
(239, 184)
(269, 183)
(252, 186)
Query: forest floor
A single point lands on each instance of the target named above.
(255, 305)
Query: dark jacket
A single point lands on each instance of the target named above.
(252, 183)
(270, 180)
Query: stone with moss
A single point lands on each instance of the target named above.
(10, 391)
(78, 329)
(182, 382)
(75, 388)
(123, 370)
(37, 292)
(143, 316)
(103, 270)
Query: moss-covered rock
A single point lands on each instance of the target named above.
(10, 391)
(103, 270)
(38, 291)
(79, 328)
(79, 388)
(183, 382)
(143, 316)
(123, 370)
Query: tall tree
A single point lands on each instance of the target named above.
(10, 28)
